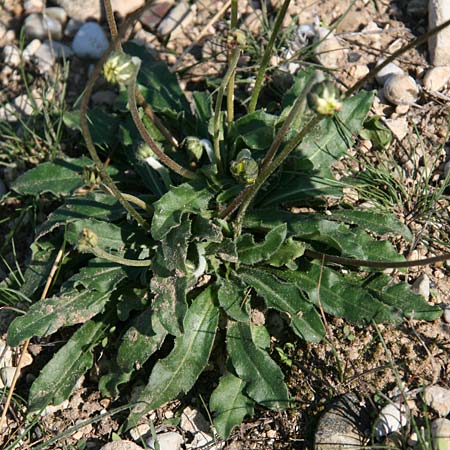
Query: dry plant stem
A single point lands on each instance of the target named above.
(266, 56)
(203, 33)
(85, 128)
(27, 342)
(169, 162)
(112, 25)
(132, 199)
(230, 87)
(231, 69)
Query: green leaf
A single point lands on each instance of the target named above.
(60, 177)
(102, 125)
(403, 299)
(170, 208)
(260, 336)
(376, 132)
(333, 136)
(286, 297)
(229, 404)
(90, 206)
(256, 129)
(170, 301)
(289, 251)
(179, 371)
(233, 299)
(38, 270)
(174, 247)
(59, 377)
(338, 296)
(49, 315)
(375, 221)
(263, 378)
(141, 340)
(99, 275)
(250, 252)
(110, 236)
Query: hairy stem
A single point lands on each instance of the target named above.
(266, 56)
(100, 253)
(133, 199)
(231, 68)
(230, 87)
(112, 25)
(166, 160)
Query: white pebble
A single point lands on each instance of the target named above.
(178, 15)
(139, 431)
(401, 90)
(387, 72)
(57, 13)
(7, 375)
(31, 49)
(42, 27)
(90, 41)
(329, 52)
(167, 441)
(422, 286)
(440, 432)
(438, 398)
(11, 55)
(436, 78)
(439, 44)
(446, 315)
(392, 417)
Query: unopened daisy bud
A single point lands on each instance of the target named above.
(325, 98)
(244, 168)
(120, 68)
(144, 151)
(87, 240)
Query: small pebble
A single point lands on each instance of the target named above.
(125, 7)
(440, 433)
(7, 375)
(33, 6)
(446, 315)
(155, 13)
(329, 52)
(72, 27)
(11, 55)
(139, 431)
(56, 13)
(438, 398)
(90, 41)
(51, 409)
(167, 441)
(401, 90)
(37, 26)
(30, 50)
(387, 72)
(181, 14)
(436, 78)
(439, 44)
(121, 445)
(413, 439)
(422, 286)
(392, 417)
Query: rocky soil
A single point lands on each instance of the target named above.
(357, 371)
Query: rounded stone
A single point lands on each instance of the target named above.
(446, 315)
(392, 417)
(436, 78)
(121, 445)
(37, 26)
(440, 433)
(388, 71)
(90, 41)
(167, 441)
(438, 398)
(7, 375)
(57, 13)
(343, 425)
(401, 90)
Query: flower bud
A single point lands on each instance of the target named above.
(120, 68)
(244, 168)
(144, 152)
(87, 240)
(325, 98)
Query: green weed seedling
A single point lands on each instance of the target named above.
(180, 252)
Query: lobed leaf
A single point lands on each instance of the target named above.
(230, 404)
(286, 297)
(263, 378)
(250, 252)
(170, 208)
(179, 371)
